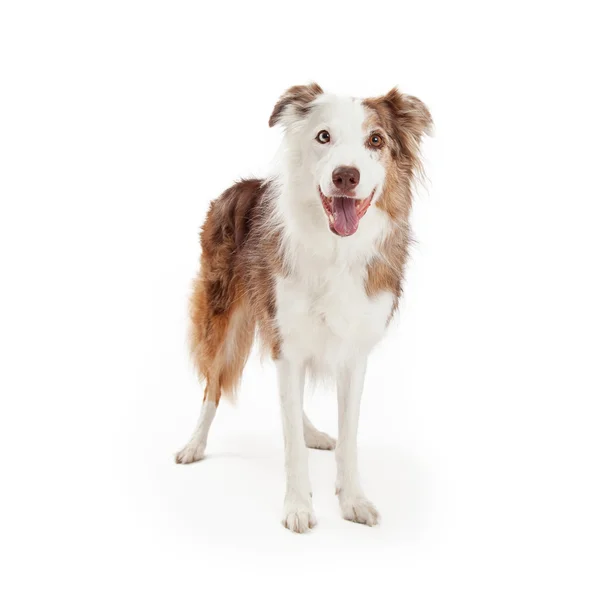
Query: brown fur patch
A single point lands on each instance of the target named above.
(386, 271)
(297, 99)
(233, 292)
(402, 120)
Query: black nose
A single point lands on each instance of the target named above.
(345, 179)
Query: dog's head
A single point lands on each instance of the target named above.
(347, 151)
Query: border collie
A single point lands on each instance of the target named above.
(311, 260)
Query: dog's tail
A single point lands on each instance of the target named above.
(220, 344)
(220, 341)
(223, 321)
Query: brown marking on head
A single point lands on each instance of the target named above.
(401, 120)
(295, 101)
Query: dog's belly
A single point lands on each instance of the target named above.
(329, 319)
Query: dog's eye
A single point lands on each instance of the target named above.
(323, 137)
(376, 141)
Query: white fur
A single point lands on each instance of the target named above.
(326, 321)
(313, 438)
(298, 512)
(194, 449)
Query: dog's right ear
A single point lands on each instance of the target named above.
(295, 102)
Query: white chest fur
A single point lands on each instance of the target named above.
(324, 315)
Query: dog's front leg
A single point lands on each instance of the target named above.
(354, 505)
(297, 510)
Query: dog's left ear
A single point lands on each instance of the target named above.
(411, 114)
(294, 103)
(405, 118)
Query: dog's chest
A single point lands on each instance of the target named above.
(325, 316)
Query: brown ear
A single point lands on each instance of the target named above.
(405, 118)
(412, 115)
(294, 102)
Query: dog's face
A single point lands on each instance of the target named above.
(346, 149)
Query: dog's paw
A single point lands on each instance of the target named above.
(319, 440)
(190, 454)
(359, 510)
(298, 518)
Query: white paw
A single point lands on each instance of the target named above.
(319, 440)
(298, 518)
(193, 452)
(359, 510)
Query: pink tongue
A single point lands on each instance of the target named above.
(345, 219)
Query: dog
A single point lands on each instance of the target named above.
(310, 259)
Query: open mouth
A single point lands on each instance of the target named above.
(344, 212)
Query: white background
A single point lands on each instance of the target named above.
(479, 443)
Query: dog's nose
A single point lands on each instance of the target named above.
(345, 179)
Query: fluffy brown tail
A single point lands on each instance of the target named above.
(220, 339)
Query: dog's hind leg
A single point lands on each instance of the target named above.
(315, 438)
(220, 355)
(194, 449)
